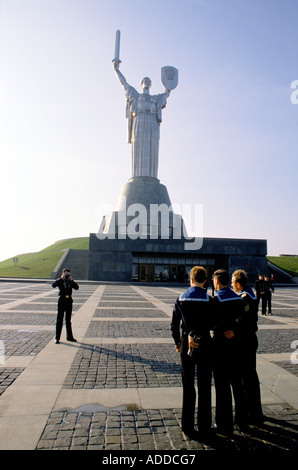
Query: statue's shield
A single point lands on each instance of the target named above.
(169, 77)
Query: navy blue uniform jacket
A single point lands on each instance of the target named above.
(229, 312)
(250, 322)
(192, 314)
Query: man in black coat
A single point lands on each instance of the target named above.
(260, 289)
(269, 289)
(65, 285)
(191, 325)
(249, 346)
(229, 312)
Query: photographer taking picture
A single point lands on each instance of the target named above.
(65, 285)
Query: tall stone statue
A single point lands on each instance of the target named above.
(144, 114)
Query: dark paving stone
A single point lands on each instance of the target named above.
(127, 312)
(24, 343)
(288, 366)
(276, 341)
(8, 376)
(40, 307)
(21, 318)
(122, 429)
(125, 366)
(107, 329)
(127, 304)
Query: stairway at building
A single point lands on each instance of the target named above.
(77, 262)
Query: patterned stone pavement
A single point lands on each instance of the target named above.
(119, 386)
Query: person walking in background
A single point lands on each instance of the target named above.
(65, 285)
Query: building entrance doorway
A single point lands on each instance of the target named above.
(177, 273)
(161, 268)
(147, 272)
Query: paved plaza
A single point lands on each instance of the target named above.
(119, 387)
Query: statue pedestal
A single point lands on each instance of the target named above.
(143, 210)
(143, 190)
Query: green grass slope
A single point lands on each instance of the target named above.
(73, 243)
(42, 263)
(288, 263)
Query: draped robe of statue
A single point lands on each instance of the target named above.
(143, 112)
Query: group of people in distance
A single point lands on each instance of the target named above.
(217, 336)
(264, 289)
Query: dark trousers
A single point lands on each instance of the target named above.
(250, 379)
(266, 300)
(64, 306)
(228, 378)
(202, 366)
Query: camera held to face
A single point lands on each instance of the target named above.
(66, 275)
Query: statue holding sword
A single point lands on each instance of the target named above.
(144, 114)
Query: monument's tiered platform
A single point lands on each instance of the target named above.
(144, 240)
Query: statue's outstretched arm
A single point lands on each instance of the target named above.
(120, 76)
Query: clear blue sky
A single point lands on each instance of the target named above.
(229, 132)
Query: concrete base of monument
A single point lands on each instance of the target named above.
(152, 260)
(143, 190)
(143, 209)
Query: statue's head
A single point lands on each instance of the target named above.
(146, 83)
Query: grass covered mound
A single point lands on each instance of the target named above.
(42, 263)
(289, 264)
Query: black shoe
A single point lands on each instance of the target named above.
(71, 339)
(57, 341)
(243, 427)
(206, 435)
(257, 420)
(224, 431)
(191, 433)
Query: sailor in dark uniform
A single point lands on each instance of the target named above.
(249, 346)
(65, 285)
(260, 289)
(190, 327)
(229, 311)
(269, 289)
